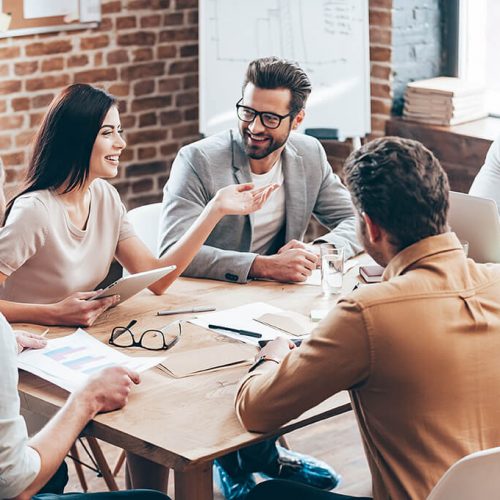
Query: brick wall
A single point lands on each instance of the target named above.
(146, 53)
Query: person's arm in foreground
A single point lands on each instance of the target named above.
(231, 200)
(336, 357)
(106, 391)
(27, 464)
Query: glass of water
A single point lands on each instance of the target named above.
(332, 268)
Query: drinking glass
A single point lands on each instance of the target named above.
(332, 268)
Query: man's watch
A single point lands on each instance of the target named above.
(261, 360)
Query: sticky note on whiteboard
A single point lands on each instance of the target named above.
(4, 21)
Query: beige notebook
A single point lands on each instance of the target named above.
(184, 364)
(290, 322)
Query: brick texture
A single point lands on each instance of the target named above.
(146, 53)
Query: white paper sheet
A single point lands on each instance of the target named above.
(243, 318)
(69, 361)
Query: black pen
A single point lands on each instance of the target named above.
(237, 330)
(297, 342)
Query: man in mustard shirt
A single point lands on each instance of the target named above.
(418, 352)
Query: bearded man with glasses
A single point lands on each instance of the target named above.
(268, 244)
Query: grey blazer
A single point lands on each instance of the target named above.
(201, 168)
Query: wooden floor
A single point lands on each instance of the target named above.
(336, 441)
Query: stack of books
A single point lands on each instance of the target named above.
(444, 101)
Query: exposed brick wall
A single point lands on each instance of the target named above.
(146, 53)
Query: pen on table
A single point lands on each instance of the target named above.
(198, 309)
(237, 330)
(297, 342)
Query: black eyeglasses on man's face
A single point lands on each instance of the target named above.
(153, 340)
(268, 119)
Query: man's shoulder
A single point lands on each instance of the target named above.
(417, 285)
(211, 146)
(304, 144)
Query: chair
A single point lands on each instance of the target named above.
(474, 476)
(146, 221)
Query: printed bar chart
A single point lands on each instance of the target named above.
(63, 352)
(81, 363)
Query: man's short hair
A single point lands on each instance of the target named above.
(274, 73)
(401, 186)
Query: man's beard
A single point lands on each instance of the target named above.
(256, 152)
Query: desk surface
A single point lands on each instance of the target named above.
(182, 423)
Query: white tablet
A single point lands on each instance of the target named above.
(130, 285)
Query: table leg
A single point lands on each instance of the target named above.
(195, 483)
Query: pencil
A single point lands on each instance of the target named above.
(44, 332)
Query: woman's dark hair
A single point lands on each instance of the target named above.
(64, 142)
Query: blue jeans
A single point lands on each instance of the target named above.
(254, 458)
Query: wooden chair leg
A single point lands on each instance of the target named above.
(102, 464)
(283, 442)
(78, 467)
(119, 463)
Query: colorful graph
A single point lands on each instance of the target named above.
(79, 358)
(79, 363)
(63, 352)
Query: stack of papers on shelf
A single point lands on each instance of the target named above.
(444, 101)
(258, 317)
(69, 361)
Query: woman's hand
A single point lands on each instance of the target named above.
(76, 310)
(242, 199)
(28, 340)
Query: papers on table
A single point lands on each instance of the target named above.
(205, 359)
(246, 318)
(69, 361)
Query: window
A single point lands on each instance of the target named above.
(479, 47)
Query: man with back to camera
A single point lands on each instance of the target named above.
(264, 245)
(418, 352)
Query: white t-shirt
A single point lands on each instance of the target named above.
(268, 221)
(487, 182)
(46, 257)
(19, 463)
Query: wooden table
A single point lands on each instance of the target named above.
(186, 423)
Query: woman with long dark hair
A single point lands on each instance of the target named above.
(63, 230)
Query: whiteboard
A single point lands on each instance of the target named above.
(328, 38)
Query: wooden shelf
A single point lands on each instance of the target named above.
(461, 149)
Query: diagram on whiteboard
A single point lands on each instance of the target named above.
(328, 38)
